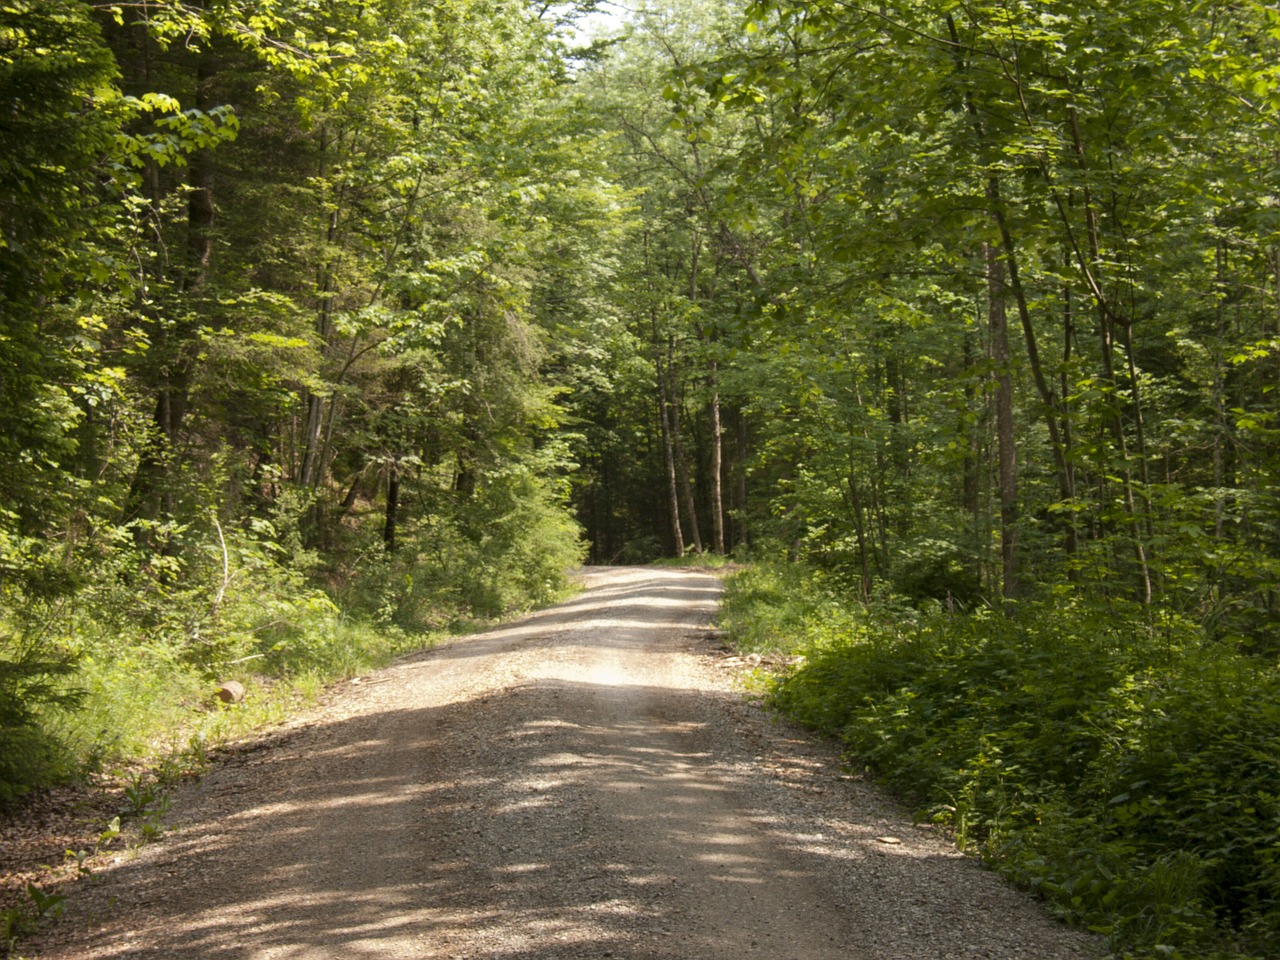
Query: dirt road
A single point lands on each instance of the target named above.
(586, 783)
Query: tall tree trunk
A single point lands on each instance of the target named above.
(1006, 450)
(972, 466)
(970, 486)
(858, 509)
(717, 466)
(1143, 532)
(393, 508)
(743, 440)
(312, 472)
(150, 493)
(1064, 385)
(682, 463)
(668, 452)
(1090, 263)
(998, 329)
(1048, 398)
(879, 548)
(1219, 396)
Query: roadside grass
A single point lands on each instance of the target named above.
(141, 701)
(1117, 763)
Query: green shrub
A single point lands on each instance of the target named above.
(122, 663)
(1115, 761)
(780, 608)
(141, 643)
(928, 568)
(506, 548)
(33, 680)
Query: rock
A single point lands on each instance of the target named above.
(230, 692)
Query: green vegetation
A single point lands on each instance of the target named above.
(984, 297)
(326, 326)
(1124, 768)
(129, 669)
(280, 393)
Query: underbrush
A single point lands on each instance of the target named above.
(506, 549)
(141, 662)
(124, 668)
(1113, 761)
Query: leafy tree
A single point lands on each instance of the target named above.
(681, 282)
(56, 130)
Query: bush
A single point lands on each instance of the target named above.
(507, 548)
(781, 608)
(1121, 765)
(125, 668)
(33, 674)
(120, 662)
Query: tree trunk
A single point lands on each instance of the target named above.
(682, 464)
(1061, 455)
(312, 472)
(740, 530)
(311, 440)
(1219, 398)
(1006, 450)
(393, 508)
(717, 464)
(878, 548)
(859, 520)
(673, 492)
(150, 495)
(1064, 386)
(1090, 263)
(972, 464)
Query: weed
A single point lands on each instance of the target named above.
(139, 795)
(197, 750)
(15, 923)
(21, 921)
(81, 857)
(46, 904)
(109, 834)
(152, 827)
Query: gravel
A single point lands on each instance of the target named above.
(589, 782)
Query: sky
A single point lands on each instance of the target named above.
(608, 20)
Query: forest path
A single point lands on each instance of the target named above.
(585, 783)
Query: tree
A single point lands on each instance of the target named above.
(60, 112)
(683, 281)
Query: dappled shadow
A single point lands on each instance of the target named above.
(590, 828)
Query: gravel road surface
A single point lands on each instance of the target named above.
(586, 783)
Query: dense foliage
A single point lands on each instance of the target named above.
(1125, 769)
(278, 386)
(988, 293)
(323, 325)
